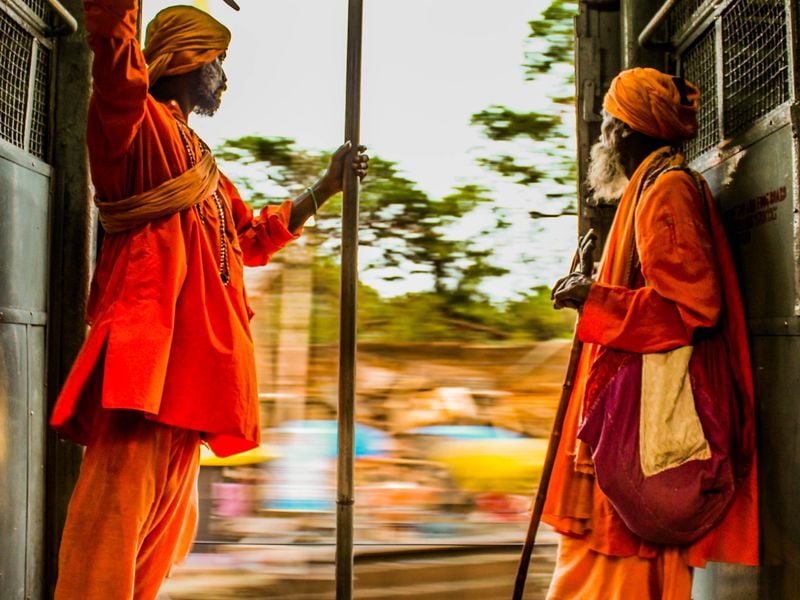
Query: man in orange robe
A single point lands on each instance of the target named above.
(691, 284)
(168, 361)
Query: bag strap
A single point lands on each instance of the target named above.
(698, 182)
(701, 190)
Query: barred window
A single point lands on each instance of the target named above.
(41, 9)
(15, 48)
(37, 144)
(698, 65)
(755, 61)
(25, 71)
(681, 15)
(750, 79)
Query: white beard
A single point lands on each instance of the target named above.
(606, 177)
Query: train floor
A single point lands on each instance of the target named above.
(380, 573)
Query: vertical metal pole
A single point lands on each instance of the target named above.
(347, 315)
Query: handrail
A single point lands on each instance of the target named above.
(652, 26)
(66, 16)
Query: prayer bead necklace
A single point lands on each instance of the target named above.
(224, 270)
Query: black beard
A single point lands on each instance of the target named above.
(206, 100)
(606, 177)
(208, 104)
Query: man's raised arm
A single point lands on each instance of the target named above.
(119, 76)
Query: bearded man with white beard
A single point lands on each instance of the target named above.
(606, 176)
(666, 274)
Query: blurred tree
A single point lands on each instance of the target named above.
(544, 136)
(426, 316)
(269, 169)
(407, 232)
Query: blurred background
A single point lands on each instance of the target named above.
(450, 439)
(467, 216)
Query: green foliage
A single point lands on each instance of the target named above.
(552, 36)
(502, 124)
(414, 229)
(534, 315)
(543, 136)
(429, 317)
(408, 232)
(276, 167)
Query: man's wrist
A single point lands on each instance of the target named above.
(325, 188)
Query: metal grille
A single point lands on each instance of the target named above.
(40, 8)
(15, 48)
(698, 66)
(755, 69)
(681, 14)
(39, 109)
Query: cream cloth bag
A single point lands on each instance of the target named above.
(670, 432)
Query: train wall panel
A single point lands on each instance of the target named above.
(22, 410)
(24, 206)
(754, 189)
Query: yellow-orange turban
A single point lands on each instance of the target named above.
(181, 39)
(654, 103)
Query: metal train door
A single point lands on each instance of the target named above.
(741, 54)
(25, 177)
(45, 259)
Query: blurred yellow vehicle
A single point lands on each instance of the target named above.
(257, 455)
(510, 466)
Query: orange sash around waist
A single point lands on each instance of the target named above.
(172, 196)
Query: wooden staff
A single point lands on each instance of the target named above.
(584, 257)
(347, 314)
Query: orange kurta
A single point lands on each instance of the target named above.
(171, 339)
(691, 284)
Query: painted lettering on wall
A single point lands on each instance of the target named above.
(755, 212)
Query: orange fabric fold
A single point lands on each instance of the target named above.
(654, 103)
(174, 195)
(582, 573)
(136, 505)
(182, 38)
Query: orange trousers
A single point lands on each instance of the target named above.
(133, 512)
(583, 574)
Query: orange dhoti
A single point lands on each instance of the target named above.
(134, 511)
(582, 573)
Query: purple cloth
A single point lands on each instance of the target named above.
(678, 505)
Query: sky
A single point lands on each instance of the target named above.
(427, 66)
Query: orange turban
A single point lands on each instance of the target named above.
(653, 103)
(181, 39)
